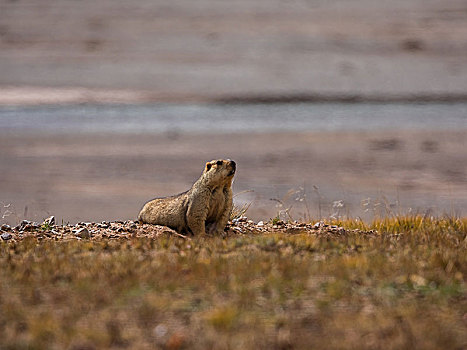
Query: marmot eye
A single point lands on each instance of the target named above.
(219, 162)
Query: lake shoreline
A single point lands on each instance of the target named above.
(17, 96)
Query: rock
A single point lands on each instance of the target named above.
(27, 227)
(83, 233)
(261, 223)
(238, 229)
(50, 221)
(5, 227)
(23, 223)
(6, 236)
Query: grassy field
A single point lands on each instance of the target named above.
(394, 284)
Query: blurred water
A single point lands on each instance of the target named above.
(162, 118)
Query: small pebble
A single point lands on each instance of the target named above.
(160, 330)
(5, 227)
(23, 224)
(28, 227)
(83, 233)
(261, 223)
(50, 221)
(6, 236)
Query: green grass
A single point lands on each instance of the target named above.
(402, 287)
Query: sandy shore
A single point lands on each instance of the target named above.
(108, 177)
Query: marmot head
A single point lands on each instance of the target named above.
(219, 171)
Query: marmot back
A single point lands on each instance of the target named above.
(206, 207)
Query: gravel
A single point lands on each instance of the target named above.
(131, 229)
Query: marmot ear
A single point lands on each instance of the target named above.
(208, 166)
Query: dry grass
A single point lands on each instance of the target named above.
(402, 287)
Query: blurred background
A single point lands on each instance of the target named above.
(331, 108)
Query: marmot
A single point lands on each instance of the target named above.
(204, 208)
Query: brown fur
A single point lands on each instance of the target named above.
(204, 208)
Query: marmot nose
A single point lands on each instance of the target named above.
(233, 164)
